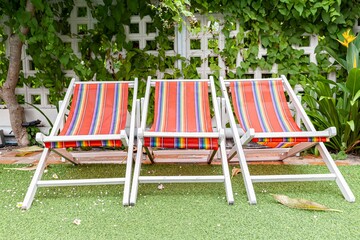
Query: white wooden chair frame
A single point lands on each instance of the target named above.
(245, 155)
(126, 140)
(219, 133)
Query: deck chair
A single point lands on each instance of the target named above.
(264, 116)
(181, 121)
(97, 118)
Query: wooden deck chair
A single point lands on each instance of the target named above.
(97, 118)
(263, 113)
(181, 121)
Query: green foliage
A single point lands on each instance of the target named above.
(275, 25)
(31, 131)
(336, 104)
(174, 11)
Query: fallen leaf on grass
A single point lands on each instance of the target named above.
(27, 150)
(22, 154)
(160, 186)
(77, 221)
(27, 168)
(55, 176)
(30, 149)
(301, 203)
(235, 171)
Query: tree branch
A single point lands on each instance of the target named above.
(31, 9)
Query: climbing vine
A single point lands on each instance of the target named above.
(278, 26)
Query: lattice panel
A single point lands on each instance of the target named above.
(142, 33)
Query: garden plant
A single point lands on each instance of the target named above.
(336, 104)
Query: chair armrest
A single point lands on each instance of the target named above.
(248, 136)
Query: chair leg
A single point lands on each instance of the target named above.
(225, 168)
(127, 183)
(149, 153)
(232, 153)
(342, 184)
(29, 197)
(246, 175)
(211, 156)
(135, 182)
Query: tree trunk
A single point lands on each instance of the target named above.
(7, 91)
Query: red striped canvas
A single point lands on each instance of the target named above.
(95, 109)
(181, 107)
(262, 105)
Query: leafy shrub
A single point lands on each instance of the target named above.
(332, 104)
(337, 103)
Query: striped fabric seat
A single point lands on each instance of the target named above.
(95, 109)
(181, 107)
(262, 105)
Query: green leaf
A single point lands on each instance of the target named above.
(265, 41)
(313, 11)
(299, 7)
(284, 11)
(283, 45)
(317, 5)
(116, 13)
(355, 98)
(307, 27)
(332, 29)
(64, 59)
(326, 7)
(133, 5)
(109, 22)
(214, 67)
(340, 20)
(352, 57)
(299, 203)
(38, 4)
(356, 42)
(324, 97)
(256, 5)
(343, 87)
(351, 124)
(331, 52)
(325, 17)
(353, 81)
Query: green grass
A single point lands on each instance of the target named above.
(179, 211)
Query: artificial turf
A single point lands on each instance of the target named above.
(179, 211)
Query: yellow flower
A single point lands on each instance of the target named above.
(348, 38)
